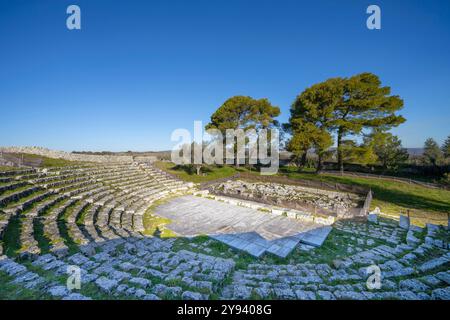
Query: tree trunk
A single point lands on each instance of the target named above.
(198, 168)
(303, 160)
(319, 163)
(339, 151)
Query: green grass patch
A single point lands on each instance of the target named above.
(43, 242)
(64, 230)
(46, 162)
(211, 172)
(11, 237)
(155, 225)
(7, 168)
(10, 291)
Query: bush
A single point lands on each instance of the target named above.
(446, 179)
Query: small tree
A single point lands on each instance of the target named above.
(387, 148)
(322, 141)
(446, 148)
(311, 119)
(432, 153)
(242, 112)
(301, 141)
(354, 153)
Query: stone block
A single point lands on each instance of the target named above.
(404, 222)
(372, 217)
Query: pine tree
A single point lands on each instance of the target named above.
(446, 148)
(432, 153)
(365, 104)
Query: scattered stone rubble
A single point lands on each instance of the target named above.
(329, 200)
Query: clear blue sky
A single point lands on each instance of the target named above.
(140, 69)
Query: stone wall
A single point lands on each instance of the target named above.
(66, 155)
(324, 202)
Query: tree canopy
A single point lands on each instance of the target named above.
(244, 112)
(432, 153)
(311, 118)
(345, 107)
(387, 148)
(446, 148)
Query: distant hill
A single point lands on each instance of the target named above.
(415, 151)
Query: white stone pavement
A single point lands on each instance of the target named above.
(247, 229)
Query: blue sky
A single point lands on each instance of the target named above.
(137, 70)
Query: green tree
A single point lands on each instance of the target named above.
(364, 104)
(311, 119)
(432, 153)
(354, 153)
(387, 148)
(346, 106)
(243, 112)
(322, 141)
(446, 148)
(312, 138)
(301, 142)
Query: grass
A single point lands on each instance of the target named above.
(155, 225)
(6, 168)
(11, 237)
(212, 172)
(64, 230)
(10, 291)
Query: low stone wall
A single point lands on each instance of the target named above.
(269, 208)
(319, 201)
(66, 155)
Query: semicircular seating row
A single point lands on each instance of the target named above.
(80, 204)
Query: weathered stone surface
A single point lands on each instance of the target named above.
(105, 284)
(372, 217)
(444, 277)
(248, 229)
(305, 295)
(326, 295)
(404, 222)
(58, 291)
(189, 295)
(141, 281)
(348, 295)
(76, 296)
(413, 285)
(432, 264)
(441, 294)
